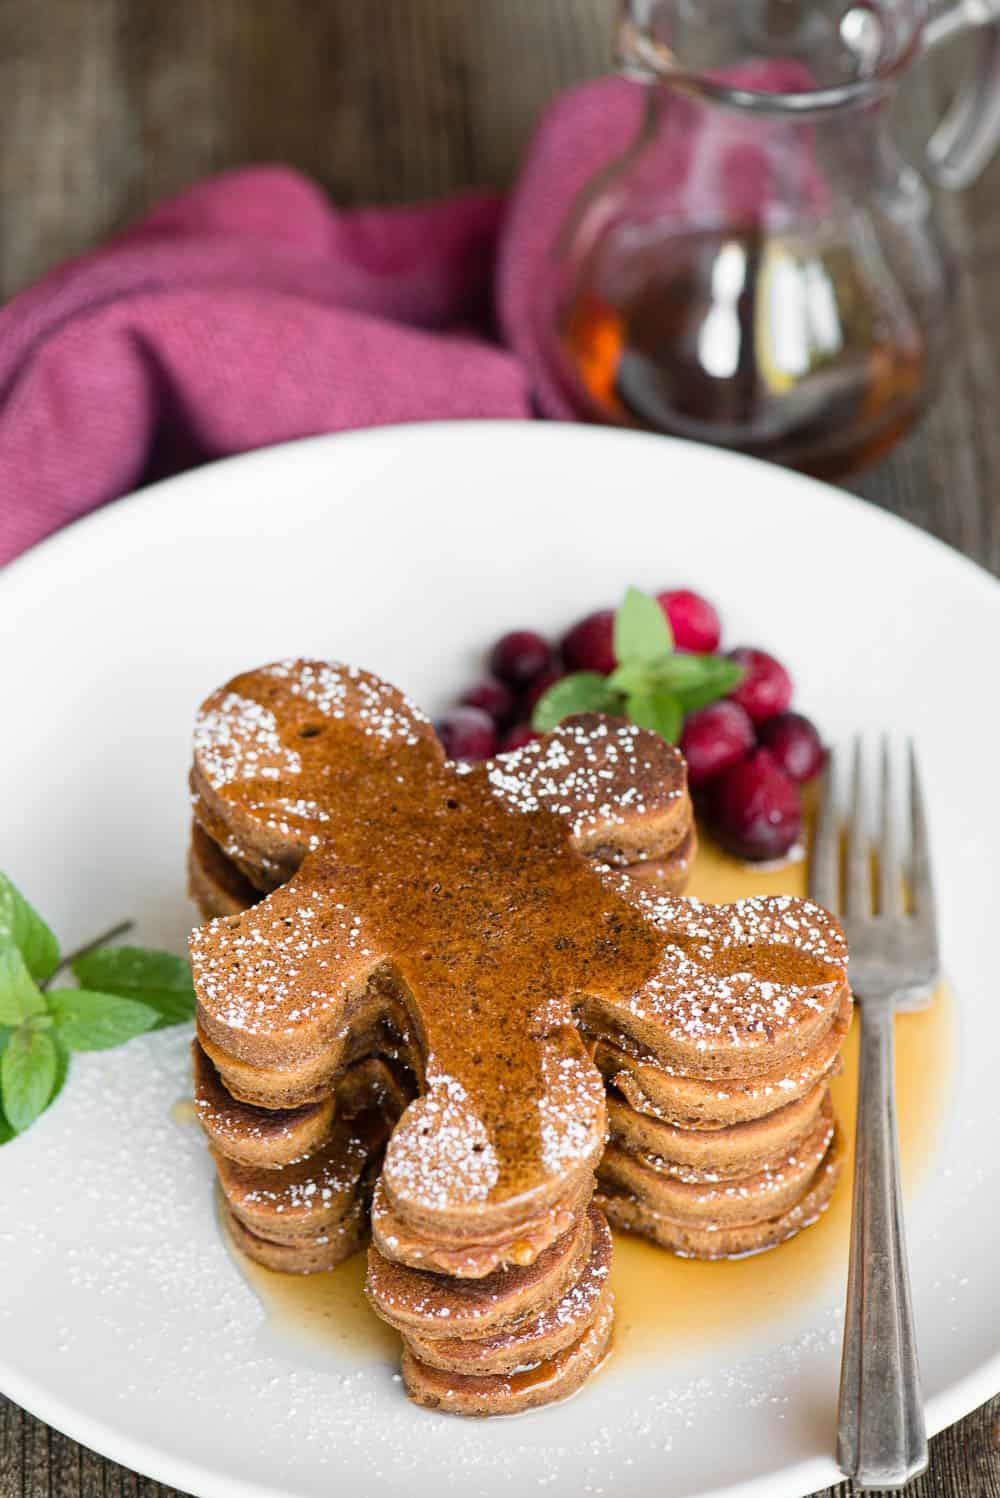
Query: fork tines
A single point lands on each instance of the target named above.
(885, 897)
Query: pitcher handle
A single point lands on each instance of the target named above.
(970, 132)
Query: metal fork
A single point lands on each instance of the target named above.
(881, 1440)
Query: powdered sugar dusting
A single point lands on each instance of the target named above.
(337, 691)
(742, 975)
(280, 965)
(571, 1110)
(441, 1149)
(330, 1180)
(237, 738)
(595, 772)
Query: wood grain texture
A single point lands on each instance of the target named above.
(109, 104)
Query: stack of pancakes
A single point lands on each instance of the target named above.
(413, 967)
(722, 1134)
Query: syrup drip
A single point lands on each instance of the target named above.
(184, 1112)
(326, 1312)
(664, 1303)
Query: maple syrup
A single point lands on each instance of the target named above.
(184, 1112)
(663, 1302)
(779, 349)
(326, 1312)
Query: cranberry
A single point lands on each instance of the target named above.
(492, 696)
(537, 689)
(714, 738)
(517, 737)
(694, 622)
(519, 656)
(766, 688)
(467, 733)
(590, 646)
(795, 744)
(755, 808)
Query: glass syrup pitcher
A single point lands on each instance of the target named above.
(762, 269)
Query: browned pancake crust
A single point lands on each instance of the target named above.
(536, 1338)
(700, 1103)
(304, 1201)
(430, 1305)
(669, 875)
(516, 1244)
(379, 1026)
(510, 1394)
(312, 1256)
(770, 1191)
(626, 1212)
(714, 1154)
(215, 883)
(272, 1138)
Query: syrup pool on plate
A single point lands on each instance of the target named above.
(663, 1302)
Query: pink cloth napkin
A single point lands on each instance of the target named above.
(247, 311)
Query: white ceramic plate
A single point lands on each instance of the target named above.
(122, 1319)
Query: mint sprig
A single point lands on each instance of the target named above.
(642, 633)
(652, 684)
(124, 991)
(89, 1021)
(28, 1069)
(583, 692)
(22, 927)
(157, 979)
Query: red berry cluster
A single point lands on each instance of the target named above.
(747, 755)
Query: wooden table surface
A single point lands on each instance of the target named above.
(105, 105)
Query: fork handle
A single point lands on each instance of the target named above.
(882, 1440)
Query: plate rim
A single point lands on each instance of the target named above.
(110, 512)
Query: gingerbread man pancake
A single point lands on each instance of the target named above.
(480, 930)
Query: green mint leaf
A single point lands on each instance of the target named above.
(681, 671)
(62, 1068)
(7, 1133)
(21, 924)
(642, 634)
(583, 692)
(630, 678)
(157, 979)
(19, 994)
(28, 1071)
(719, 679)
(89, 1021)
(658, 711)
